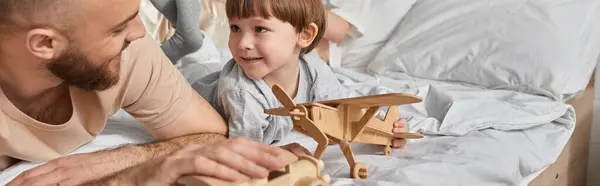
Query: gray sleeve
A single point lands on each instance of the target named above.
(246, 118)
(185, 17)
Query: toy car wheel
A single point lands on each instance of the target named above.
(307, 181)
(388, 150)
(360, 171)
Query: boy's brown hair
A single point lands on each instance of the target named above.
(299, 13)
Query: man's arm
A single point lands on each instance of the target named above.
(80, 168)
(199, 117)
(217, 160)
(160, 98)
(198, 124)
(131, 155)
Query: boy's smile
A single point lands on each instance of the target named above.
(251, 59)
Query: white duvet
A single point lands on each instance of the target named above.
(474, 136)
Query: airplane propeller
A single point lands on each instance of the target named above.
(284, 98)
(301, 119)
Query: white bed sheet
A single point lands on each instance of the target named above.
(489, 151)
(480, 146)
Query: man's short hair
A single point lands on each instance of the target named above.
(33, 13)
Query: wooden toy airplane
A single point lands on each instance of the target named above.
(299, 171)
(344, 121)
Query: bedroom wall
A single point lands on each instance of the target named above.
(594, 161)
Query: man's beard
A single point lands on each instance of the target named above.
(75, 69)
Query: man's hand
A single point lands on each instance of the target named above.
(231, 159)
(399, 126)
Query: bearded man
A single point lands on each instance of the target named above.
(67, 65)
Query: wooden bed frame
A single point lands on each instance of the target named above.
(570, 169)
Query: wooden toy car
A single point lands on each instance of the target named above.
(344, 121)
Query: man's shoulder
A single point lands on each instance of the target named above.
(145, 44)
(143, 66)
(141, 54)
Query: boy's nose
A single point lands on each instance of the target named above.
(246, 43)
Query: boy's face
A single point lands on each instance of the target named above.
(261, 46)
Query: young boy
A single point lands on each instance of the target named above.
(270, 41)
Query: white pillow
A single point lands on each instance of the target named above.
(378, 23)
(535, 46)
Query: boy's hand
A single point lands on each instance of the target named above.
(399, 126)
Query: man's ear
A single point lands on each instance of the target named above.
(45, 43)
(308, 35)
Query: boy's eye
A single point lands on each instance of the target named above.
(260, 29)
(234, 28)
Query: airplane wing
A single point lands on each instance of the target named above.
(375, 100)
(363, 102)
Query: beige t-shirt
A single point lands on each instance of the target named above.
(151, 89)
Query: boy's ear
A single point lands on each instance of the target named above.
(308, 35)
